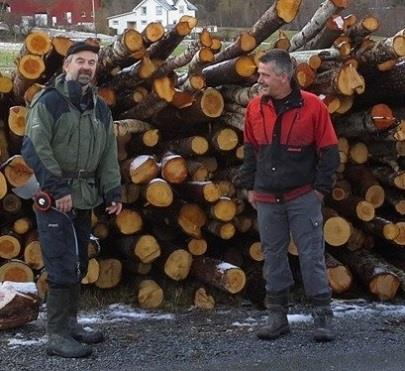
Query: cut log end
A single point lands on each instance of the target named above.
(178, 265)
(235, 280)
(151, 138)
(191, 218)
(399, 45)
(245, 66)
(38, 43)
(31, 66)
(199, 145)
(128, 222)
(287, 10)
(256, 252)
(212, 103)
(365, 211)
(10, 247)
(93, 272)
(375, 195)
(247, 42)
(150, 295)
(340, 279)
(211, 192)
(197, 247)
(159, 193)
(382, 116)
(305, 75)
(16, 271)
(336, 231)
(110, 273)
(147, 249)
(384, 286)
(61, 44)
(17, 119)
(33, 255)
(202, 300)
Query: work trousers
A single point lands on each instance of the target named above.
(302, 219)
(64, 239)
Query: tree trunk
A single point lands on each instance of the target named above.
(316, 23)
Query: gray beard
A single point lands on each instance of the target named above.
(83, 79)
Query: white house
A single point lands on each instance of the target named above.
(167, 12)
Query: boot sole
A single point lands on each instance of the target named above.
(281, 332)
(83, 339)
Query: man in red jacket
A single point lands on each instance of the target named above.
(290, 158)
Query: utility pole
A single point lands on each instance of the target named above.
(94, 18)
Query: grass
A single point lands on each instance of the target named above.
(7, 58)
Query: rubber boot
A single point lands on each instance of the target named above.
(277, 304)
(77, 331)
(323, 330)
(60, 342)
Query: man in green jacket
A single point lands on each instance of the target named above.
(72, 150)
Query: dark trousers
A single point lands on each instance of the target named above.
(302, 218)
(64, 242)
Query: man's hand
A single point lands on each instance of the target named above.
(319, 195)
(251, 198)
(64, 204)
(115, 208)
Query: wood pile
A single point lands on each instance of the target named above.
(179, 122)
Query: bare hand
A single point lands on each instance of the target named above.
(115, 208)
(319, 195)
(64, 204)
(251, 198)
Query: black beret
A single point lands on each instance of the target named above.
(81, 46)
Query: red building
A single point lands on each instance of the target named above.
(52, 12)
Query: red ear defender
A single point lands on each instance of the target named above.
(42, 201)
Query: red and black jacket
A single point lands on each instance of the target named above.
(294, 148)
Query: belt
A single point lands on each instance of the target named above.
(280, 197)
(79, 174)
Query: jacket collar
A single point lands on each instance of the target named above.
(295, 99)
(72, 91)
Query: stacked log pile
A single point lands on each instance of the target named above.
(179, 122)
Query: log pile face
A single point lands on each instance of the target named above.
(179, 123)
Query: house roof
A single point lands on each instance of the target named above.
(165, 4)
(190, 6)
(162, 3)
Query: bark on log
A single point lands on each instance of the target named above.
(373, 270)
(353, 207)
(365, 184)
(316, 23)
(231, 71)
(339, 276)
(358, 124)
(219, 274)
(18, 305)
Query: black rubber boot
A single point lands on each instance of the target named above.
(60, 342)
(323, 317)
(277, 304)
(77, 331)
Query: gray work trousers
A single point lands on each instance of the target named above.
(302, 217)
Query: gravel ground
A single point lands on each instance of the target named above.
(370, 337)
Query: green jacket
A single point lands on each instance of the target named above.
(68, 132)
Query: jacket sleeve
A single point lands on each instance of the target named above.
(108, 170)
(246, 175)
(328, 153)
(38, 154)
